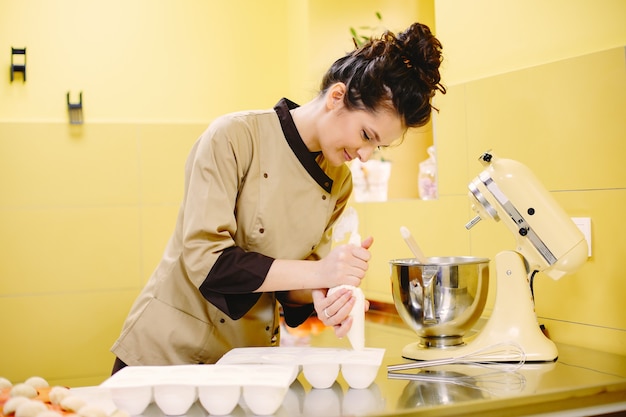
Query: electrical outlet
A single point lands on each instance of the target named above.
(584, 224)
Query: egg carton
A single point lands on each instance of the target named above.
(218, 388)
(320, 366)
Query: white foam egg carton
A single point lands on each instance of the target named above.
(320, 366)
(219, 388)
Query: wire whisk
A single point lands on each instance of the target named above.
(509, 356)
(497, 383)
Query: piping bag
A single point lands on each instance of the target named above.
(349, 223)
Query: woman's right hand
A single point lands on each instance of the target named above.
(345, 265)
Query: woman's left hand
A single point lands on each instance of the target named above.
(334, 309)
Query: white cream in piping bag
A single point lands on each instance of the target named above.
(349, 223)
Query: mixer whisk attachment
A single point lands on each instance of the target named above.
(509, 356)
(495, 383)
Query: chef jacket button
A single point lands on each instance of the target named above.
(265, 175)
(261, 230)
(324, 197)
(222, 321)
(326, 184)
(267, 328)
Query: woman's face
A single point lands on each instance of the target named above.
(348, 134)
(357, 133)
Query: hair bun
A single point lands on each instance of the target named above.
(398, 72)
(422, 51)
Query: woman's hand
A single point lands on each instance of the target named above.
(345, 265)
(334, 309)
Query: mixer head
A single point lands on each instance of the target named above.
(545, 235)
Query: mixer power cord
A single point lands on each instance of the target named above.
(532, 295)
(532, 281)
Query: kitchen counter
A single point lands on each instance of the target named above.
(581, 382)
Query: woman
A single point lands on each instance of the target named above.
(262, 192)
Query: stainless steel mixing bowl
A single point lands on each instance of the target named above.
(440, 300)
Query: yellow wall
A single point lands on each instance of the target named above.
(483, 38)
(565, 120)
(562, 114)
(163, 61)
(557, 102)
(86, 210)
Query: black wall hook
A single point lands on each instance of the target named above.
(75, 110)
(18, 67)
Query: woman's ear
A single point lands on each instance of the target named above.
(335, 96)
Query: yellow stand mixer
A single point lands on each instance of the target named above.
(547, 240)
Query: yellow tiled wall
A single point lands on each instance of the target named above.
(565, 121)
(85, 211)
(549, 89)
(84, 220)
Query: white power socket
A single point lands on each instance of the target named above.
(584, 224)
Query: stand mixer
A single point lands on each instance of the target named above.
(547, 240)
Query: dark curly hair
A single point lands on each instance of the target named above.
(401, 72)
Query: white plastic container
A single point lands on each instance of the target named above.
(320, 366)
(360, 368)
(218, 388)
(174, 399)
(321, 369)
(133, 400)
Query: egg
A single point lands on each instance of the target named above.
(5, 383)
(37, 382)
(23, 390)
(57, 394)
(30, 408)
(11, 405)
(72, 403)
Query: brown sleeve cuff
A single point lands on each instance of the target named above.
(294, 315)
(230, 283)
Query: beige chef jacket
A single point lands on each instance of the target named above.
(253, 193)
